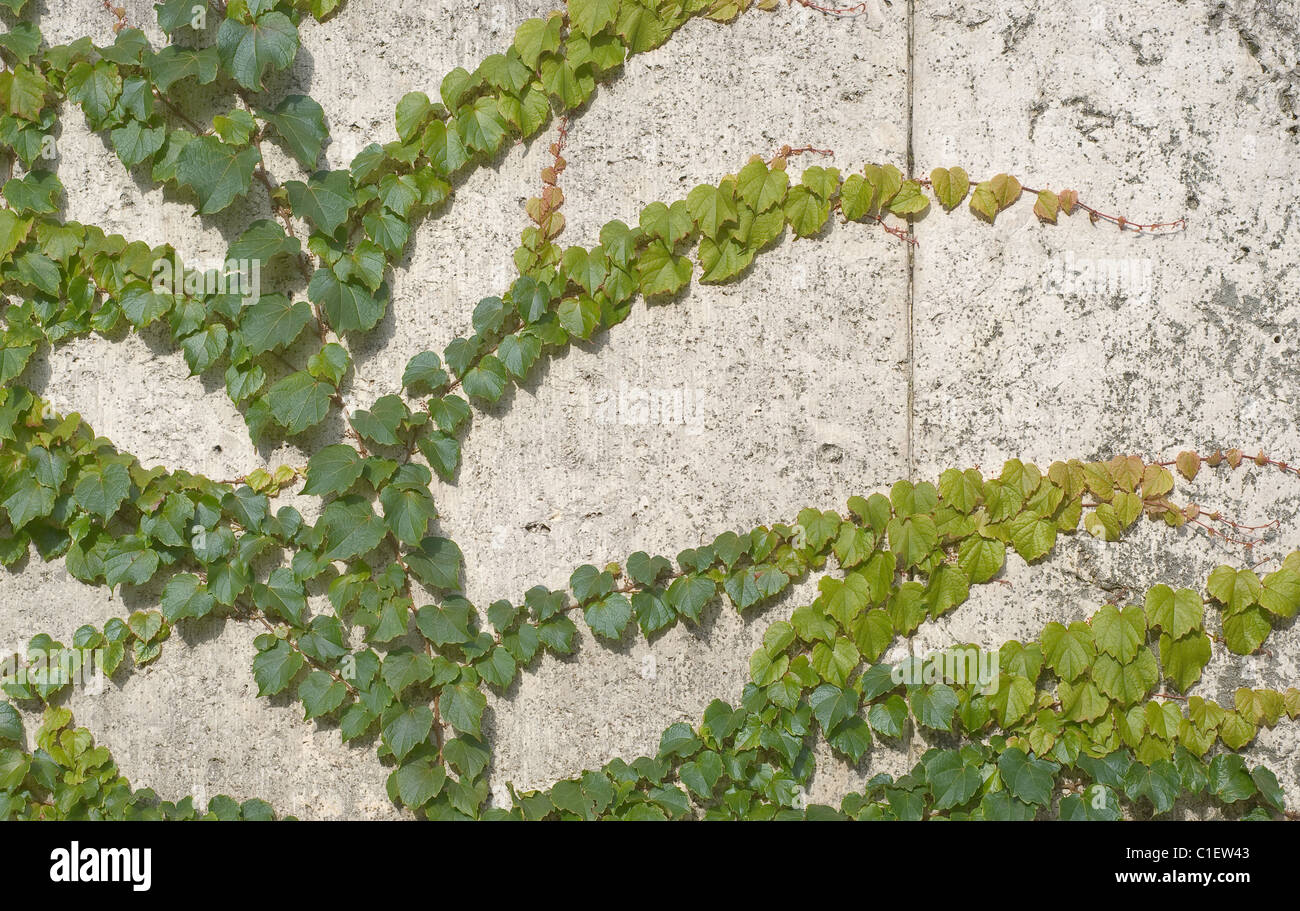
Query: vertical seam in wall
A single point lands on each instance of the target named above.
(911, 253)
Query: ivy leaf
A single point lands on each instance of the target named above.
(348, 307)
(934, 706)
(1177, 613)
(1033, 536)
(661, 272)
(711, 208)
(950, 186)
(174, 63)
(888, 717)
(1184, 658)
(131, 561)
(300, 121)
(805, 211)
(909, 200)
(590, 16)
(1119, 633)
(135, 142)
(832, 705)
(299, 401)
(981, 558)
(248, 51)
(324, 199)
(952, 781)
(321, 694)
(1028, 778)
(1068, 650)
(351, 528)
(609, 616)
(408, 730)
(1158, 783)
(333, 469)
(217, 173)
(186, 596)
(462, 707)
(1126, 683)
(572, 86)
(487, 380)
(407, 513)
(273, 323)
(436, 563)
(1244, 632)
(1280, 593)
(419, 781)
(100, 490)
(11, 724)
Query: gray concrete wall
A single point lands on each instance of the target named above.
(834, 368)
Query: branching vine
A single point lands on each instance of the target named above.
(1092, 719)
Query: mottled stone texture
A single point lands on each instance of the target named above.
(836, 366)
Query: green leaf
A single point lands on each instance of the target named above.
(711, 208)
(131, 561)
(333, 469)
(11, 724)
(407, 730)
(1177, 613)
(174, 63)
(1033, 536)
(889, 717)
(806, 212)
(910, 200)
(186, 596)
(952, 781)
(300, 121)
(1245, 631)
(481, 126)
(135, 142)
(348, 307)
(1126, 683)
(408, 513)
(832, 705)
(419, 781)
(1234, 589)
(609, 616)
(1119, 633)
(462, 707)
(981, 558)
(321, 694)
(1068, 650)
(299, 401)
(248, 51)
(661, 272)
(100, 489)
(1028, 778)
(934, 706)
(325, 199)
(950, 186)
(1184, 658)
(590, 16)
(219, 174)
(1158, 783)
(436, 563)
(273, 323)
(275, 668)
(351, 528)
(1280, 593)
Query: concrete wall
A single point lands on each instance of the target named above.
(834, 368)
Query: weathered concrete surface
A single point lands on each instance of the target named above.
(798, 376)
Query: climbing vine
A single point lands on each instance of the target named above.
(1092, 719)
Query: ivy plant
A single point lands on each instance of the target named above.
(1093, 719)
